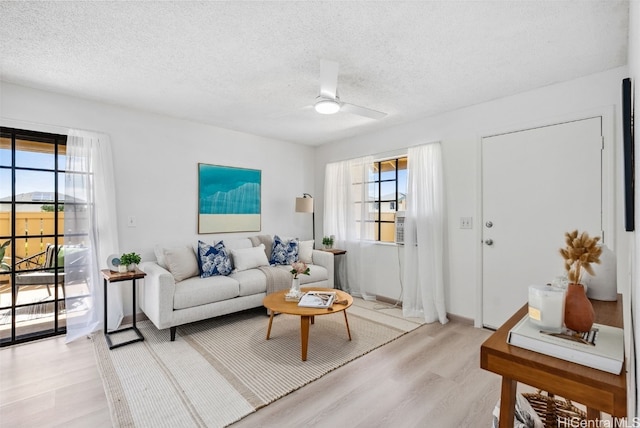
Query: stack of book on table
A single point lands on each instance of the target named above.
(602, 348)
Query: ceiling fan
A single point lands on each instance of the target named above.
(328, 101)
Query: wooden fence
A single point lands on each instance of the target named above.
(35, 228)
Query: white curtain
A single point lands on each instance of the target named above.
(91, 233)
(346, 215)
(424, 236)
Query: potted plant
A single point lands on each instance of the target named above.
(130, 261)
(327, 241)
(579, 253)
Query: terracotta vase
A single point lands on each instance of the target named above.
(578, 311)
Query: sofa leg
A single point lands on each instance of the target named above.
(173, 333)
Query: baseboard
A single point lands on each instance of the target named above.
(460, 320)
(457, 318)
(128, 319)
(388, 300)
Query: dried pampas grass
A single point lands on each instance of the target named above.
(580, 252)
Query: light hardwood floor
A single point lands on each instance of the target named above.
(427, 378)
(48, 384)
(430, 377)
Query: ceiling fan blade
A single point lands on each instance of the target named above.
(362, 111)
(328, 78)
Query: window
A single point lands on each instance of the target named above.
(31, 235)
(387, 190)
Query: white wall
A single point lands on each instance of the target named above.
(156, 160)
(460, 133)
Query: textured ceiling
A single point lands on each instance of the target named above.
(254, 66)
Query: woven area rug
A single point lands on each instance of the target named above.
(220, 370)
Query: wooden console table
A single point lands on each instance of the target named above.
(596, 389)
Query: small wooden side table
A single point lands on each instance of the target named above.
(110, 277)
(596, 389)
(336, 265)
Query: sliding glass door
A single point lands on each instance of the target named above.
(32, 198)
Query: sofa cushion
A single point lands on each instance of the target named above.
(159, 253)
(237, 244)
(181, 262)
(305, 251)
(249, 258)
(201, 291)
(284, 252)
(213, 259)
(252, 281)
(267, 240)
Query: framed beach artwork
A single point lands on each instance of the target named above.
(228, 199)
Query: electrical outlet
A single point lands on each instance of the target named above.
(466, 222)
(131, 221)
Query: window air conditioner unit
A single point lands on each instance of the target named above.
(400, 215)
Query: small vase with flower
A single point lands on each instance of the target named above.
(297, 268)
(580, 252)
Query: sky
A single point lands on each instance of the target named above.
(28, 181)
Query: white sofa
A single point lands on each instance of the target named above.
(173, 293)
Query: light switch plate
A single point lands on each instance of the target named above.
(466, 222)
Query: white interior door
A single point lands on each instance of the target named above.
(537, 184)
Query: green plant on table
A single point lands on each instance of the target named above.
(327, 241)
(129, 259)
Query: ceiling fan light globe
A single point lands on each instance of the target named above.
(325, 106)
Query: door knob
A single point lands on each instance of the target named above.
(488, 241)
(489, 224)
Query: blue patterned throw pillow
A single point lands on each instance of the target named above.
(284, 252)
(213, 259)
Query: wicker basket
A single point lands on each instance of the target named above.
(550, 409)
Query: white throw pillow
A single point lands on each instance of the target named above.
(305, 251)
(249, 258)
(159, 252)
(181, 262)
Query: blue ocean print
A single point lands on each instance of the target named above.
(227, 190)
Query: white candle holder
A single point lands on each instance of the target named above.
(546, 307)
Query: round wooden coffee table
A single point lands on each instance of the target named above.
(276, 303)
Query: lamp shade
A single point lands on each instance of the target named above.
(304, 205)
